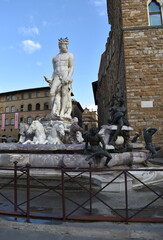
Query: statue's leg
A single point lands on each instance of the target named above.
(153, 151)
(56, 104)
(64, 99)
(119, 127)
(68, 108)
(109, 157)
(54, 94)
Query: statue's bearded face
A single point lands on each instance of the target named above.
(63, 47)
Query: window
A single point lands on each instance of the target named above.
(29, 107)
(46, 93)
(154, 13)
(12, 109)
(37, 106)
(22, 96)
(29, 95)
(37, 118)
(13, 97)
(12, 121)
(37, 94)
(21, 119)
(22, 108)
(7, 109)
(7, 97)
(6, 122)
(46, 106)
(29, 120)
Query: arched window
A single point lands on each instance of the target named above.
(154, 13)
(46, 106)
(37, 106)
(21, 119)
(29, 107)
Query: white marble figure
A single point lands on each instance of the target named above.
(57, 133)
(39, 133)
(23, 127)
(60, 83)
(75, 132)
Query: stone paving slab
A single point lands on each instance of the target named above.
(80, 231)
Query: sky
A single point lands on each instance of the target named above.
(30, 30)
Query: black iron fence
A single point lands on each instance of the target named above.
(73, 194)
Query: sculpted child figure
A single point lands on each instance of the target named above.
(60, 83)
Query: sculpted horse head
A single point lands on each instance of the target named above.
(36, 127)
(57, 133)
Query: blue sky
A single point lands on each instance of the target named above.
(30, 30)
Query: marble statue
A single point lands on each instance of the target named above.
(57, 133)
(95, 140)
(37, 129)
(75, 132)
(148, 133)
(24, 135)
(60, 83)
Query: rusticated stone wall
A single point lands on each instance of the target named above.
(134, 13)
(144, 79)
(135, 68)
(143, 55)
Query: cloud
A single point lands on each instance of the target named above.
(98, 2)
(39, 63)
(91, 107)
(30, 46)
(29, 30)
(44, 23)
(100, 5)
(102, 12)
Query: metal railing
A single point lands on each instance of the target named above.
(72, 195)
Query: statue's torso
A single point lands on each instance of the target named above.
(61, 63)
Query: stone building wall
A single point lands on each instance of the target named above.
(111, 79)
(24, 98)
(89, 119)
(136, 67)
(134, 13)
(143, 53)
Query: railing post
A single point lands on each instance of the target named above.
(15, 187)
(63, 195)
(28, 192)
(126, 196)
(90, 188)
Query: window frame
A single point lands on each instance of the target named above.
(160, 13)
(46, 106)
(12, 121)
(29, 120)
(38, 106)
(7, 109)
(12, 109)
